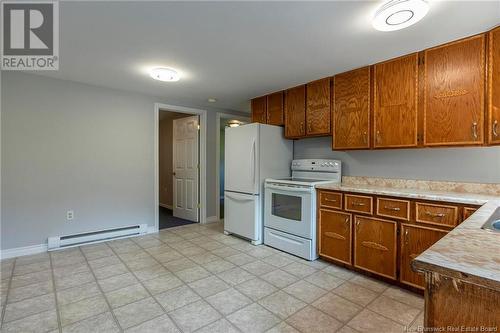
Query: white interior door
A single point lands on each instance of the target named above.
(186, 166)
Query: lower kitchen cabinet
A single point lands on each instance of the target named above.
(382, 235)
(335, 235)
(375, 246)
(414, 241)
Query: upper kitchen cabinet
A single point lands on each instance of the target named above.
(318, 110)
(259, 110)
(494, 87)
(395, 102)
(295, 112)
(275, 115)
(351, 110)
(454, 81)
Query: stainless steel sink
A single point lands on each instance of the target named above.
(493, 222)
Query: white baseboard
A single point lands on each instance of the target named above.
(23, 251)
(152, 229)
(211, 219)
(165, 206)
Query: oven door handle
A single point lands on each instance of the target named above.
(289, 188)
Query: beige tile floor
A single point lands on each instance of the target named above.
(194, 279)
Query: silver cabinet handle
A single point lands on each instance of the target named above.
(406, 236)
(365, 138)
(330, 200)
(357, 203)
(474, 130)
(396, 209)
(495, 128)
(378, 137)
(435, 214)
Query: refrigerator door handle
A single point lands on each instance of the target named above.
(253, 163)
(238, 198)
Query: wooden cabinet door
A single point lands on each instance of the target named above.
(295, 112)
(259, 110)
(275, 109)
(494, 87)
(318, 110)
(414, 241)
(335, 235)
(395, 102)
(351, 110)
(375, 246)
(454, 76)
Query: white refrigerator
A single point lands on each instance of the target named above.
(253, 153)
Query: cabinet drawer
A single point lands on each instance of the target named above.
(359, 204)
(397, 209)
(436, 214)
(468, 211)
(330, 199)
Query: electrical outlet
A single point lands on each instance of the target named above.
(70, 215)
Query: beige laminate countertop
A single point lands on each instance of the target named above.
(468, 253)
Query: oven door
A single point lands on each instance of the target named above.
(289, 209)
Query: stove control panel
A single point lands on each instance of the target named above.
(317, 165)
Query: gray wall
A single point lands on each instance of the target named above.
(67, 145)
(447, 164)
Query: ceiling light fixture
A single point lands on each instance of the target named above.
(234, 123)
(164, 74)
(399, 14)
(212, 100)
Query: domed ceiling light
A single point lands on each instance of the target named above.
(399, 14)
(164, 74)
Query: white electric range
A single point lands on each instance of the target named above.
(290, 206)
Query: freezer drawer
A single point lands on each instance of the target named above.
(242, 215)
(295, 245)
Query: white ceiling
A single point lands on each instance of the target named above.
(238, 50)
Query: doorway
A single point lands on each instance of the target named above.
(178, 154)
(223, 120)
(180, 182)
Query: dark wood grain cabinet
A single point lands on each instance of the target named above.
(395, 102)
(375, 245)
(259, 110)
(275, 109)
(450, 302)
(454, 81)
(448, 95)
(382, 235)
(351, 110)
(415, 240)
(318, 110)
(493, 128)
(335, 239)
(295, 112)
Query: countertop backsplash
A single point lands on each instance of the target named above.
(431, 185)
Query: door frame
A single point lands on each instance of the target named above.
(218, 117)
(203, 158)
